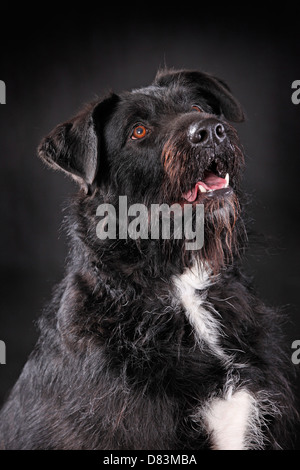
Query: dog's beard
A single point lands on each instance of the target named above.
(223, 234)
(158, 254)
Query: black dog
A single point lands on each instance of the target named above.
(148, 344)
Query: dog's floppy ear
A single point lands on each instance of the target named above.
(208, 85)
(73, 146)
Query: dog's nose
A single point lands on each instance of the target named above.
(210, 131)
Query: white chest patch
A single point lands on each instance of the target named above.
(204, 322)
(234, 419)
(229, 420)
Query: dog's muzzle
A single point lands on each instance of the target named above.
(208, 134)
(202, 159)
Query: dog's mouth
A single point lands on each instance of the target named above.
(210, 185)
(214, 183)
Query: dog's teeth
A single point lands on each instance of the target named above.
(227, 180)
(203, 190)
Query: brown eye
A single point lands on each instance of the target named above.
(197, 108)
(139, 132)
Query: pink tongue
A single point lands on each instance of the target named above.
(211, 181)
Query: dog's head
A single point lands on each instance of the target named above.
(170, 142)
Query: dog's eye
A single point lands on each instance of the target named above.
(197, 108)
(139, 132)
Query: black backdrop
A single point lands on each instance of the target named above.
(53, 61)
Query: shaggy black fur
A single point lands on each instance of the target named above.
(117, 364)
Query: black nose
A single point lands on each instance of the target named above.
(208, 132)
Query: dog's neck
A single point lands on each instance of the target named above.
(139, 260)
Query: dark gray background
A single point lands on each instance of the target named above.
(53, 62)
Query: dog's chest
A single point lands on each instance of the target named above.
(190, 289)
